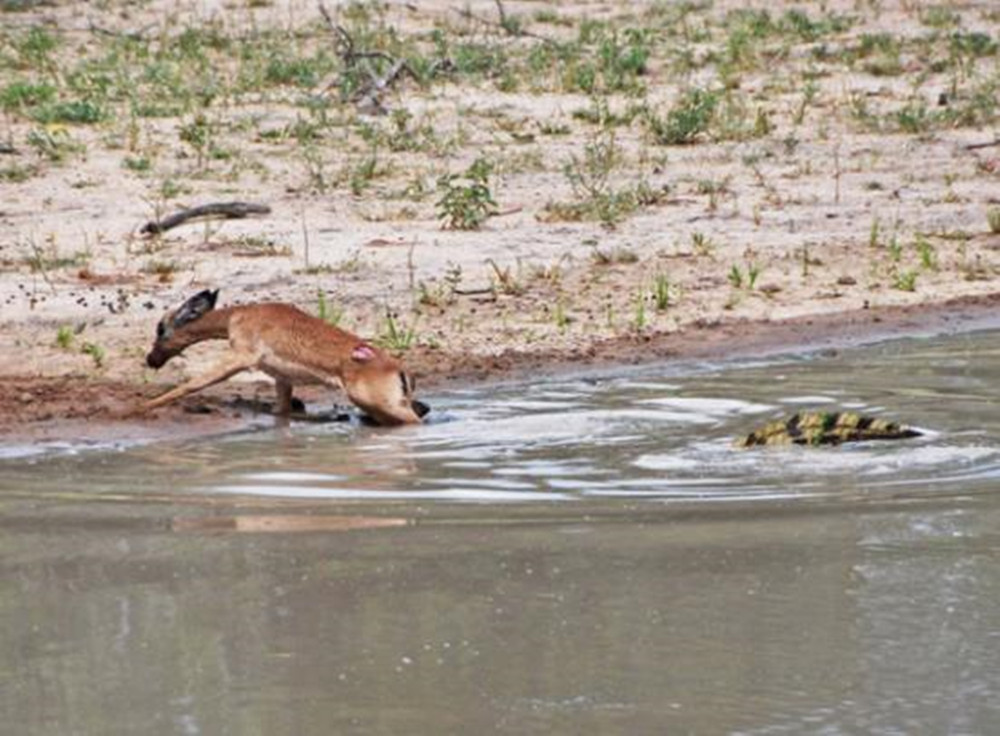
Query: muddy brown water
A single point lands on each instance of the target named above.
(578, 556)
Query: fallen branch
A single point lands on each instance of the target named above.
(347, 52)
(368, 98)
(368, 95)
(509, 211)
(224, 210)
(978, 146)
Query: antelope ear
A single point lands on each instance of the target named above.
(363, 353)
(195, 307)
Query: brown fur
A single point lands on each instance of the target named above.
(294, 348)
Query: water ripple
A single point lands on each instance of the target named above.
(657, 436)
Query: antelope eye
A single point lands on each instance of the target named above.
(161, 330)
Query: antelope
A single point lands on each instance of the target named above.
(292, 347)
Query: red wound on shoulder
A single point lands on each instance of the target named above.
(363, 353)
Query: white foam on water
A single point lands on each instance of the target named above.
(667, 462)
(547, 428)
(695, 494)
(808, 400)
(708, 407)
(292, 477)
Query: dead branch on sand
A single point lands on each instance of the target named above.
(979, 146)
(223, 210)
(368, 95)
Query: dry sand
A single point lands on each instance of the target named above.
(841, 223)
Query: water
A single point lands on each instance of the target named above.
(576, 556)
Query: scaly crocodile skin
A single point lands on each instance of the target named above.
(825, 428)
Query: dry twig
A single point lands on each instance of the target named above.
(368, 95)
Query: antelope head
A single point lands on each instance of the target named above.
(173, 333)
(376, 382)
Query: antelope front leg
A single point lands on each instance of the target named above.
(284, 406)
(220, 372)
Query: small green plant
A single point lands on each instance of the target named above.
(589, 174)
(661, 293)
(315, 165)
(559, 315)
(906, 281)
(64, 337)
(739, 279)
(163, 270)
(453, 276)
(199, 134)
(590, 177)
(394, 336)
(873, 233)
(18, 174)
(332, 315)
(75, 112)
(640, 321)
(434, 294)
(809, 93)
(366, 170)
(895, 249)
(137, 163)
(702, 244)
(96, 353)
(939, 16)
(504, 280)
(53, 144)
(466, 201)
(35, 48)
(610, 257)
(926, 253)
(49, 258)
(20, 96)
(993, 219)
(689, 118)
(735, 277)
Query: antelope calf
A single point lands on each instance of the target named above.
(292, 347)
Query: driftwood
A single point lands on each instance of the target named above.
(368, 96)
(978, 146)
(224, 210)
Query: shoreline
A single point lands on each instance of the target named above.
(81, 409)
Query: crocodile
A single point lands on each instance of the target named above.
(825, 428)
